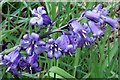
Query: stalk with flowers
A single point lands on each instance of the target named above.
(73, 35)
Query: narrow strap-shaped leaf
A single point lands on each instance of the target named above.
(60, 72)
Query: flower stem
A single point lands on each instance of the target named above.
(76, 61)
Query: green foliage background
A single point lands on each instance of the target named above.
(100, 60)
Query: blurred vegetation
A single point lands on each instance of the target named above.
(98, 61)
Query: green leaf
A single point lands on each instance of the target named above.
(87, 75)
(111, 55)
(60, 72)
(29, 75)
(51, 74)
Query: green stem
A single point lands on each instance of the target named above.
(76, 61)
(55, 64)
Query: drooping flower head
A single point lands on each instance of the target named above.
(99, 15)
(40, 17)
(11, 61)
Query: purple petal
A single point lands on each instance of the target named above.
(13, 70)
(29, 50)
(73, 37)
(76, 26)
(41, 43)
(23, 63)
(92, 16)
(86, 27)
(50, 54)
(26, 36)
(40, 21)
(35, 36)
(14, 56)
(57, 54)
(41, 10)
(103, 12)
(31, 59)
(13, 60)
(100, 23)
(1, 57)
(97, 8)
(33, 21)
(69, 47)
(46, 19)
(39, 49)
(113, 23)
(62, 41)
(51, 41)
(35, 64)
(95, 30)
(6, 58)
(85, 41)
(36, 69)
(25, 43)
(35, 13)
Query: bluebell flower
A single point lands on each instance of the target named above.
(113, 23)
(11, 61)
(32, 43)
(30, 63)
(53, 49)
(40, 17)
(64, 44)
(33, 63)
(59, 46)
(94, 29)
(99, 15)
(79, 34)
